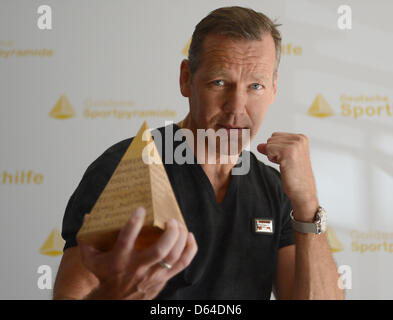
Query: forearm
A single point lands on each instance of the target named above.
(316, 275)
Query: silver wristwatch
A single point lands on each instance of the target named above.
(318, 226)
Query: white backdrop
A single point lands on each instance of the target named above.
(69, 93)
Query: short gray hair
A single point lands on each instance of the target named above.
(235, 22)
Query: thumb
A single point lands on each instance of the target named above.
(130, 231)
(262, 148)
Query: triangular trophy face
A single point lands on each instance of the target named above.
(140, 179)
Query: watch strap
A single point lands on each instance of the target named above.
(305, 227)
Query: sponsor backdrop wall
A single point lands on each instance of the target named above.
(69, 93)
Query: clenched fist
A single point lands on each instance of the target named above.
(291, 152)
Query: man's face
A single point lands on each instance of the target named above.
(233, 85)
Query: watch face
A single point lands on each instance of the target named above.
(322, 219)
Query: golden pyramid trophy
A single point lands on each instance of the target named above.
(140, 179)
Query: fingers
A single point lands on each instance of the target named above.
(158, 275)
(283, 145)
(159, 250)
(128, 234)
(262, 148)
(178, 248)
(283, 138)
(272, 151)
(186, 257)
(176, 251)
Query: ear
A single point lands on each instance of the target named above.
(185, 78)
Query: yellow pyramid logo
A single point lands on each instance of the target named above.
(186, 48)
(140, 179)
(53, 245)
(334, 243)
(62, 109)
(320, 108)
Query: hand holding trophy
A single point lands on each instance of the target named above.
(134, 256)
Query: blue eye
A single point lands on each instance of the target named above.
(257, 86)
(218, 82)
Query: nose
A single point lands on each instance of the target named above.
(236, 101)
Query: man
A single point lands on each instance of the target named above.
(230, 80)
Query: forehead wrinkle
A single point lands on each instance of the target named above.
(225, 70)
(232, 55)
(239, 51)
(220, 61)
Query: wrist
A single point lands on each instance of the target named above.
(305, 211)
(317, 226)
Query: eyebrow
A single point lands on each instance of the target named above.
(259, 77)
(223, 73)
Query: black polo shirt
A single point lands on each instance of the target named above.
(233, 261)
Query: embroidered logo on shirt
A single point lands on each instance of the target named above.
(263, 225)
